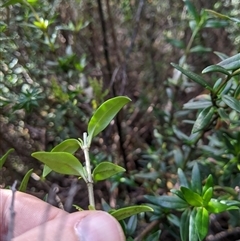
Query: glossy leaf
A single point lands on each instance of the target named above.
(184, 224)
(4, 157)
(231, 63)
(46, 171)
(191, 75)
(196, 181)
(171, 202)
(215, 68)
(193, 236)
(24, 182)
(69, 145)
(193, 198)
(61, 162)
(204, 119)
(178, 193)
(104, 115)
(105, 170)
(126, 212)
(207, 196)
(232, 102)
(214, 206)
(182, 178)
(208, 184)
(202, 222)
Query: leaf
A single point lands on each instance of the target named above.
(196, 78)
(46, 171)
(11, 2)
(208, 184)
(4, 157)
(193, 236)
(207, 196)
(69, 145)
(104, 115)
(231, 63)
(196, 182)
(132, 225)
(193, 198)
(182, 178)
(192, 10)
(216, 23)
(171, 202)
(105, 170)
(204, 119)
(61, 162)
(184, 224)
(24, 183)
(231, 102)
(215, 68)
(200, 49)
(214, 206)
(202, 222)
(178, 193)
(126, 212)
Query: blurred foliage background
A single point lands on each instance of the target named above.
(61, 59)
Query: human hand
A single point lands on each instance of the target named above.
(36, 220)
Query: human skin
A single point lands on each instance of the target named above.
(36, 220)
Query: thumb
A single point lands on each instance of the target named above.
(79, 226)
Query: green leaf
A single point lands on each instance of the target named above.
(171, 202)
(231, 63)
(69, 145)
(105, 170)
(204, 119)
(214, 206)
(207, 196)
(178, 193)
(191, 75)
(126, 212)
(4, 157)
(231, 102)
(104, 115)
(196, 182)
(192, 10)
(11, 2)
(46, 171)
(24, 183)
(200, 49)
(215, 68)
(202, 222)
(216, 23)
(193, 198)
(182, 178)
(61, 162)
(193, 236)
(184, 224)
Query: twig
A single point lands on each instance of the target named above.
(12, 213)
(232, 234)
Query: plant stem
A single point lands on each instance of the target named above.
(85, 149)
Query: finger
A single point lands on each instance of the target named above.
(29, 212)
(79, 226)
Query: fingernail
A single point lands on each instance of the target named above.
(99, 226)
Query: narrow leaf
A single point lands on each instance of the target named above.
(24, 183)
(46, 171)
(202, 222)
(61, 162)
(104, 115)
(105, 170)
(204, 119)
(191, 75)
(4, 157)
(208, 184)
(192, 10)
(231, 102)
(196, 182)
(216, 68)
(182, 178)
(69, 145)
(193, 236)
(10, 2)
(193, 198)
(207, 196)
(214, 206)
(184, 224)
(231, 63)
(123, 213)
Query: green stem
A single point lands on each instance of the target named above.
(85, 149)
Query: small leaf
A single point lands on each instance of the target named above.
(182, 178)
(192, 10)
(123, 213)
(196, 78)
(193, 236)
(171, 202)
(104, 115)
(11, 2)
(132, 225)
(196, 182)
(193, 198)
(46, 171)
(207, 196)
(214, 206)
(200, 49)
(204, 119)
(4, 157)
(231, 63)
(24, 183)
(184, 224)
(105, 170)
(178, 193)
(215, 68)
(231, 102)
(61, 162)
(208, 184)
(69, 145)
(202, 222)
